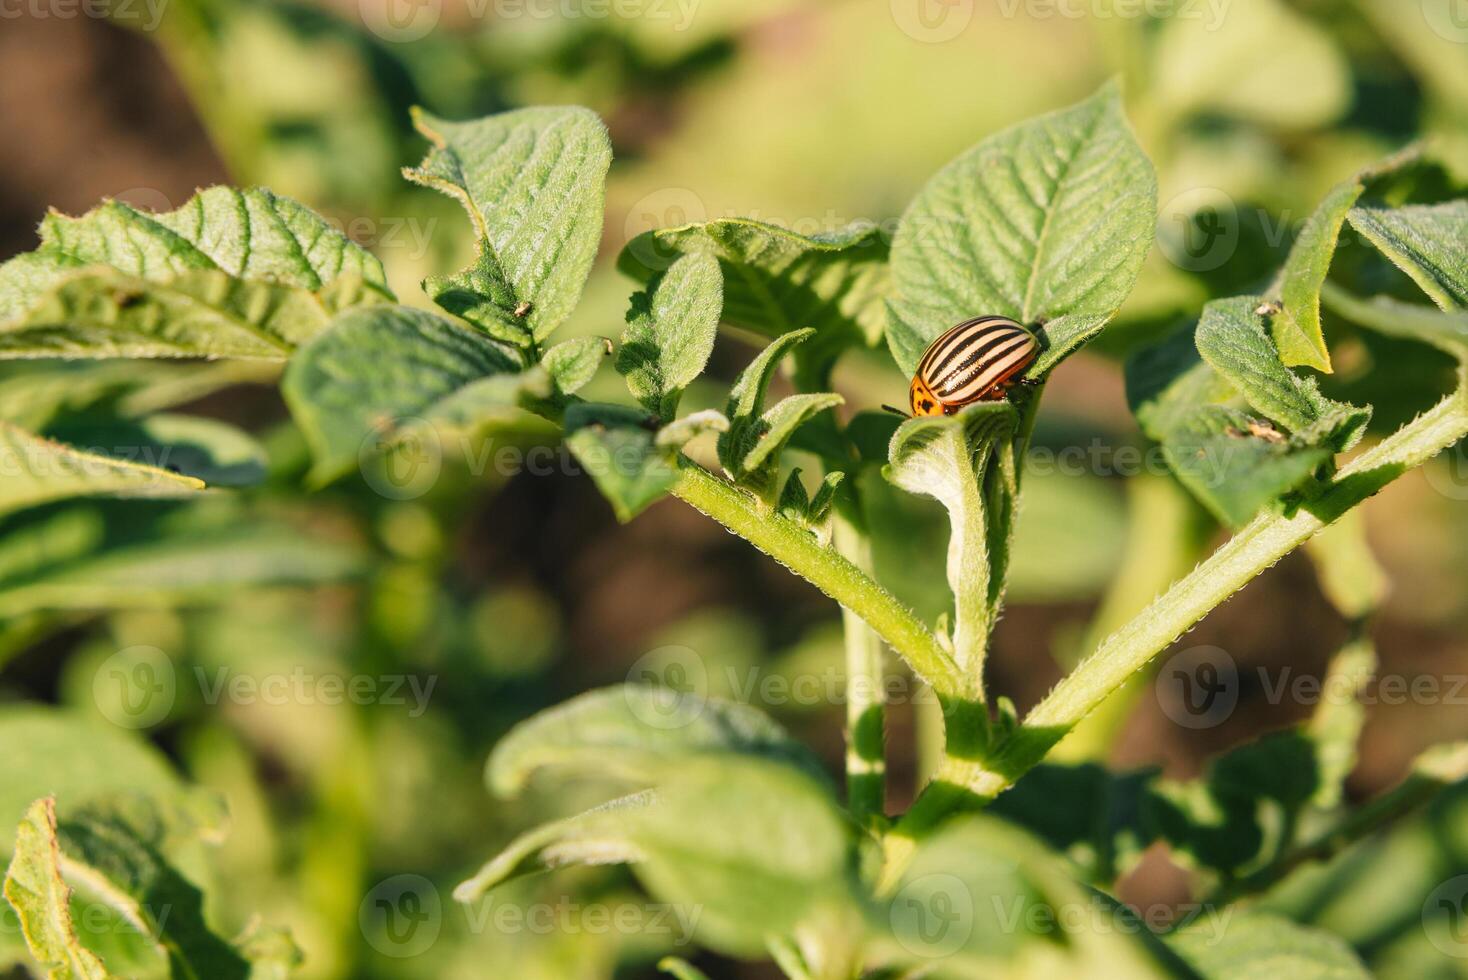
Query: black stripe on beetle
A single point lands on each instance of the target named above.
(977, 360)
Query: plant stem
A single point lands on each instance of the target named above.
(866, 762)
(1260, 544)
(796, 548)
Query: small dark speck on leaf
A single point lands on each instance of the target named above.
(523, 310)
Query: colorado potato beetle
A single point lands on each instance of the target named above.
(978, 360)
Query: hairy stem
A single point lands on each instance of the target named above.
(866, 761)
(1264, 541)
(796, 548)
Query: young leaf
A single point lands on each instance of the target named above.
(676, 434)
(820, 504)
(638, 733)
(379, 372)
(572, 364)
(794, 501)
(230, 274)
(1425, 242)
(776, 426)
(39, 470)
(618, 447)
(1261, 945)
(750, 450)
(42, 900)
(533, 182)
(1231, 338)
(951, 458)
(1296, 327)
(777, 280)
(670, 333)
(1047, 223)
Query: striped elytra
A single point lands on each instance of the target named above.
(975, 361)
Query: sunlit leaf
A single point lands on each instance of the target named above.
(1046, 223)
(532, 181)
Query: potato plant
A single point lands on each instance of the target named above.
(1007, 860)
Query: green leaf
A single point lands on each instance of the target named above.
(638, 734)
(1230, 819)
(777, 281)
(42, 900)
(1232, 339)
(981, 899)
(533, 183)
(1426, 242)
(379, 375)
(753, 844)
(677, 434)
(113, 865)
(1335, 727)
(757, 846)
(76, 760)
(597, 836)
(619, 448)
(750, 450)
(1047, 223)
(670, 332)
(215, 452)
(126, 556)
(1216, 416)
(572, 364)
(680, 969)
(1239, 62)
(776, 426)
(1296, 326)
(230, 274)
(950, 458)
(40, 470)
(1256, 946)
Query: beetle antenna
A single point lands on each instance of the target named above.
(897, 411)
